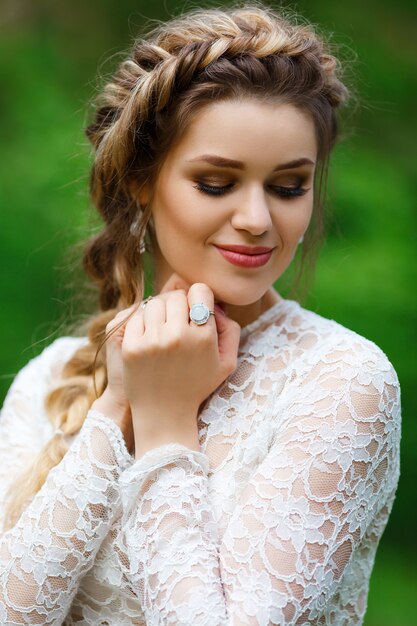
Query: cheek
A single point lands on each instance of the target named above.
(181, 214)
(291, 222)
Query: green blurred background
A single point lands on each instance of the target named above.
(50, 56)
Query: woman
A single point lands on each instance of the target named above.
(215, 454)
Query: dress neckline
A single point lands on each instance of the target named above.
(263, 317)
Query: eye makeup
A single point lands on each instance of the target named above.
(281, 191)
(288, 186)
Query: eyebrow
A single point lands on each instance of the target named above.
(239, 165)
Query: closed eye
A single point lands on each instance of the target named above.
(282, 192)
(289, 192)
(213, 190)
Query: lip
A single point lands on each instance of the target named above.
(245, 260)
(245, 249)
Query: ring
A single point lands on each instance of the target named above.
(200, 313)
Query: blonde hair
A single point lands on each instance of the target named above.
(174, 70)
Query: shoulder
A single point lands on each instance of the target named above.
(44, 369)
(24, 424)
(336, 368)
(344, 388)
(60, 350)
(324, 340)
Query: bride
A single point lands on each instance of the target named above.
(214, 453)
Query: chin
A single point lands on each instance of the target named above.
(239, 299)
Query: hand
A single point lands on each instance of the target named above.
(115, 331)
(171, 365)
(113, 402)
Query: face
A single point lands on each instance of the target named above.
(242, 174)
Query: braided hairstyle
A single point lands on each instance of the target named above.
(177, 68)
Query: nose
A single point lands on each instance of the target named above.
(252, 213)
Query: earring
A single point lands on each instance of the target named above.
(301, 239)
(134, 229)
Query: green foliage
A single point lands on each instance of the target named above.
(366, 275)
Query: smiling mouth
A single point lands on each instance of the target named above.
(249, 261)
(247, 250)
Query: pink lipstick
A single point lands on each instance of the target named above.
(246, 256)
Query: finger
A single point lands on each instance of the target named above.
(177, 311)
(120, 317)
(134, 328)
(229, 337)
(154, 315)
(115, 329)
(200, 293)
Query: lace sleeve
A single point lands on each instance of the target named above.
(331, 469)
(54, 542)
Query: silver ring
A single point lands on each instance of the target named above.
(200, 313)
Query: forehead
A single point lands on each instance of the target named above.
(249, 131)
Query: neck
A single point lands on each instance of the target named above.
(248, 313)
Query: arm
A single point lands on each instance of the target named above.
(56, 539)
(331, 469)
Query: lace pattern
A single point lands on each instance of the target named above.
(276, 520)
(55, 541)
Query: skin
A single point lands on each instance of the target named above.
(156, 360)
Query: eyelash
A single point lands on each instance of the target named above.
(283, 192)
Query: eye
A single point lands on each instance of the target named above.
(221, 190)
(288, 192)
(213, 190)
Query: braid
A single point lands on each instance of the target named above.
(180, 66)
(173, 57)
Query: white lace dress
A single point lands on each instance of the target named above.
(275, 520)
